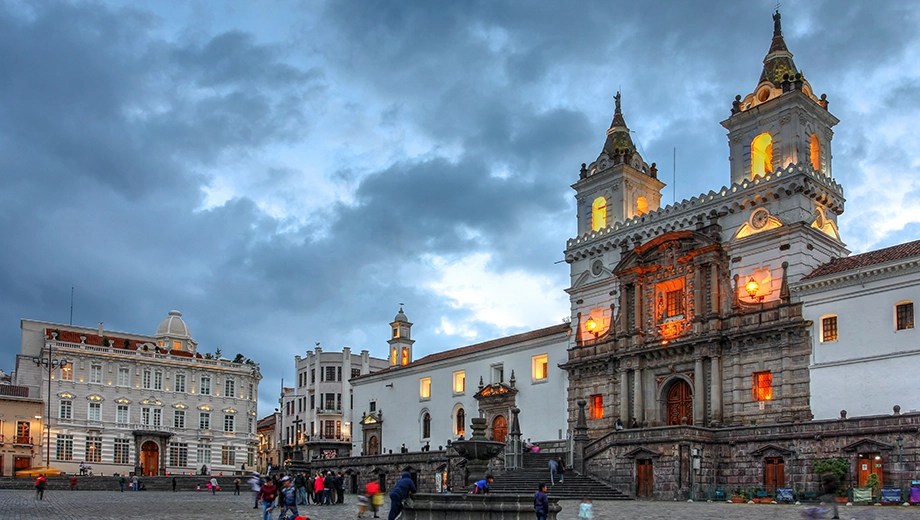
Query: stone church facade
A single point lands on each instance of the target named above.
(685, 328)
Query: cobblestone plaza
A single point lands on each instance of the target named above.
(80, 505)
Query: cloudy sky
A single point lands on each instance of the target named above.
(286, 173)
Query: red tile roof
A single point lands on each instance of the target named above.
(880, 256)
(480, 347)
(73, 336)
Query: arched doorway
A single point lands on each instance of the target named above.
(150, 458)
(373, 446)
(680, 403)
(499, 428)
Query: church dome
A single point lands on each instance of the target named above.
(401, 316)
(174, 326)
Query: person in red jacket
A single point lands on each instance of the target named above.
(318, 490)
(267, 495)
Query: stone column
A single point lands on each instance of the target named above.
(716, 389)
(624, 396)
(699, 401)
(581, 437)
(637, 396)
(714, 288)
(515, 435)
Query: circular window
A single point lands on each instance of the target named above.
(764, 94)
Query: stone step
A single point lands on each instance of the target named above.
(110, 483)
(574, 487)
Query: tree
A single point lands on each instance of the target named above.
(239, 358)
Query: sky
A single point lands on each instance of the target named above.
(287, 173)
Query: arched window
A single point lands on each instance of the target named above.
(641, 206)
(761, 155)
(461, 422)
(814, 150)
(405, 355)
(426, 425)
(393, 358)
(599, 213)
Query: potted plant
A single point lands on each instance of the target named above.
(739, 496)
(873, 482)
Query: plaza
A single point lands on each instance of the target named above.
(102, 505)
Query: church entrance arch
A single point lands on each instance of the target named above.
(150, 458)
(679, 403)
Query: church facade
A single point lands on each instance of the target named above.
(687, 331)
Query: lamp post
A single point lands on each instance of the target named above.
(900, 467)
(51, 364)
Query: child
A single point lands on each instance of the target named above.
(584, 511)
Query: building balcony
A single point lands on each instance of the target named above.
(329, 411)
(22, 440)
(154, 428)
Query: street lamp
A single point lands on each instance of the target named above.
(51, 364)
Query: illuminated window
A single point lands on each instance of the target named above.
(674, 301)
(94, 449)
(177, 345)
(540, 367)
(762, 386)
(228, 455)
(460, 382)
(67, 372)
(23, 432)
(597, 406)
(814, 150)
(393, 358)
(761, 155)
(461, 422)
(64, 448)
(905, 315)
(405, 356)
(424, 391)
(641, 206)
(426, 425)
(395, 332)
(599, 213)
(829, 328)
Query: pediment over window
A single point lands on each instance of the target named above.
(641, 453)
(868, 445)
(771, 450)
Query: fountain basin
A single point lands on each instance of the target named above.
(497, 506)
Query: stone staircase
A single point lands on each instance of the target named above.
(536, 471)
(110, 483)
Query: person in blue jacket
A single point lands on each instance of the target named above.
(481, 487)
(403, 489)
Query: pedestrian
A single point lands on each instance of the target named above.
(553, 468)
(121, 483)
(255, 482)
(308, 488)
(288, 499)
(318, 488)
(174, 484)
(40, 485)
(134, 482)
(339, 488)
(328, 486)
(634, 423)
(300, 486)
(236, 486)
(82, 468)
(481, 487)
(400, 492)
(585, 510)
(213, 485)
(561, 467)
(73, 482)
(375, 496)
(618, 424)
(267, 494)
(541, 502)
(829, 483)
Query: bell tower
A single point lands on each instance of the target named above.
(400, 340)
(619, 185)
(780, 123)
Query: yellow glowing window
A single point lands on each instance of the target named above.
(829, 328)
(641, 206)
(761, 155)
(460, 382)
(424, 390)
(674, 301)
(395, 332)
(405, 356)
(177, 345)
(597, 406)
(540, 367)
(762, 386)
(814, 149)
(393, 358)
(67, 372)
(599, 213)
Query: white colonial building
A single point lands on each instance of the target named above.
(429, 401)
(316, 416)
(865, 346)
(127, 402)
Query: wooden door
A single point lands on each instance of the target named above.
(868, 464)
(680, 403)
(644, 478)
(150, 458)
(499, 428)
(774, 473)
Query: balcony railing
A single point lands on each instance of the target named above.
(153, 355)
(153, 428)
(22, 440)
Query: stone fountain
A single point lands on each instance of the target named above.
(477, 451)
